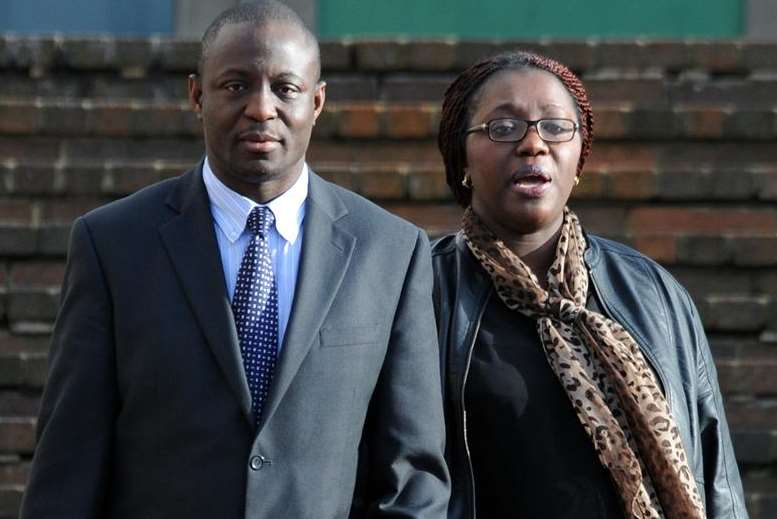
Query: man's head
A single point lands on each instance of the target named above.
(258, 93)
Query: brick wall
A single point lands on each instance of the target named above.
(684, 168)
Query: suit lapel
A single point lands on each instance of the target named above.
(191, 243)
(326, 252)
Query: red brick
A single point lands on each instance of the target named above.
(128, 178)
(432, 56)
(351, 88)
(133, 56)
(669, 55)
(382, 55)
(735, 313)
(592, 186)
(177, 55)
(113, 120)
(760, 251)
(428, 184)
(16, 211)
(14, 473)
(22, 148)
(766, 183)
(609, 221)
(409, 121)
(37, 274)
(663, 249)
(34, 179)
(63, 118)
(84, 179)
(39, 305)
(417, 153)
(16, 344)
(406, 87)
(670, 220)
(35, 53)
(618, 55)
(704, 250)
(632, 185)
(336, 55)
(17, 435)
(383, 183)
(717, 56)
(17, 240)
(342, 176)
(19, 118)
(611, 122)
(52, 239)
(18, 404)
(435, 219)
(579, 56)
(751, 377)
(701, 122)
(636, 90)
(328, 123)
(66, 210)
(360, 121)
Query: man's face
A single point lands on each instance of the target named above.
(258, 96)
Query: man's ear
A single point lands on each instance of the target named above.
(319, 96)
(195, 94)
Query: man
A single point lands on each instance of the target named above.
(230, 338)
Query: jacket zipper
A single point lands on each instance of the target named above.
(471, 349)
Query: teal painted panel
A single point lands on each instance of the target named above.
(124, 17)
(531, 19)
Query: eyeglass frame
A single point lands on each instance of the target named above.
(485, 127)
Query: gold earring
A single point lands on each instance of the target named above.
(577, 180)
(466, 182)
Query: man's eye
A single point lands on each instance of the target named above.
(234, 87)
(287, 90)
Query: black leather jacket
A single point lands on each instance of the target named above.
(640, 295)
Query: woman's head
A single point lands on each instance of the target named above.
(530, 177)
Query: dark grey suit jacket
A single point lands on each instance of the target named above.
(146, 412)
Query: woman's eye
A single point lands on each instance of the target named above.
(504, 128)
(556, 127)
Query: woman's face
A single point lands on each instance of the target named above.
(521, 188)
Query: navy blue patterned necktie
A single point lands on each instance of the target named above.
(255, 306)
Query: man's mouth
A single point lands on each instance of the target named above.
(259, 142)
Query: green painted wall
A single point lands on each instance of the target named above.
(531, 19)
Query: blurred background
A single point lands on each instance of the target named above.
(684, 165)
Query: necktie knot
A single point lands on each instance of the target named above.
(260, 221)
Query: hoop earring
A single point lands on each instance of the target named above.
(466, 182)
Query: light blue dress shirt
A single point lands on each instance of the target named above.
(230, 212)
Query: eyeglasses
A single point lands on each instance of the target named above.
(513, 130)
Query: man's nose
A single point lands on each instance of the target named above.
(261, 105)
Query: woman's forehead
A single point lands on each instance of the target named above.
(522, 88)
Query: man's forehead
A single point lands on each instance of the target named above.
(257, 41)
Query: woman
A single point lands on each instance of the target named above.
(578, 380)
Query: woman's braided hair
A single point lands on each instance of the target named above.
(459, 99)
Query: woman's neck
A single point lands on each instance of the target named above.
(537, 251)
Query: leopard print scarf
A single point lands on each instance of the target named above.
(612, 390)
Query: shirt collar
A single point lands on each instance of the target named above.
(231, 209)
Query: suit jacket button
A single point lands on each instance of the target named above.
(258, 462)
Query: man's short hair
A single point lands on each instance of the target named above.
(257, 13)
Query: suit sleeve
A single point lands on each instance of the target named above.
(70, 468)
(405, 445)
(723, 493)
